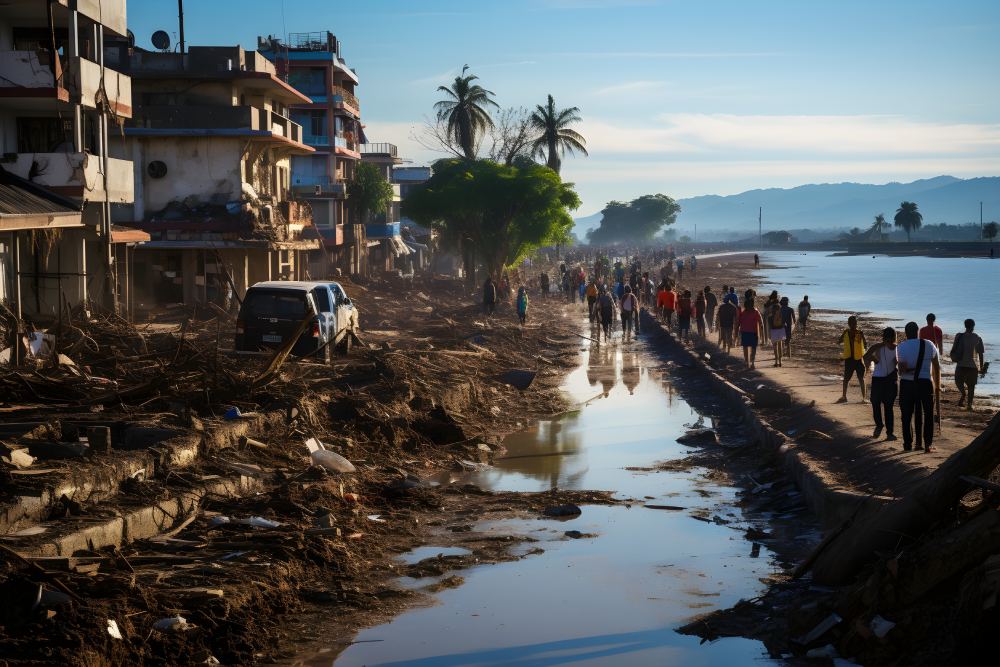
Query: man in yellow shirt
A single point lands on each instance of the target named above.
(853, 345)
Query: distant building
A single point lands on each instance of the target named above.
(331, 118)
(418, 238)
(59, 103)
(386, 249)
(212, 142)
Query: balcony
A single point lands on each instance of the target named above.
(27, 74)
(279, 125)
(216, 117)
(342, 99)
(317, 184)
(388, 150)
(316, 139)
(77, 175)
(84, 82)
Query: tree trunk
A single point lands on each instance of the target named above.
(905, 519)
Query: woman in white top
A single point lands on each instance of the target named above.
(885, 382)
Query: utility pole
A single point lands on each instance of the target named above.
(982, 230)
(760, 226)
(180, 20)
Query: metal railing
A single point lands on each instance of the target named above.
(379, 149)
(347, 97)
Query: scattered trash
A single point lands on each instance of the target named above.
(323, 457)
(173, 624)
(113, 629)
(377, 518)
(881, 626)
(260, 522)
(19, 458)
(28, 532)
(232, 413)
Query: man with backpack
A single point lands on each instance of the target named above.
(919, 379)
(964, 349)
(776, 326)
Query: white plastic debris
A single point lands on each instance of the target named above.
(173, 624)
(323, 457)
(113, 629)
(259, 522)
(218, 520)
(377, 518)
(881, 626)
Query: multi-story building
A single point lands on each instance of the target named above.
(418, 238)
(212, 142)
(331, 117)
(382, 231)
(58, 101)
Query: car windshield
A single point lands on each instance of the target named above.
(275, 303)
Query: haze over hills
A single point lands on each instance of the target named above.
(833, 205)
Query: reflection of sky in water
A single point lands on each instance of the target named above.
(899, 288)
(631, 418)
(610, 600)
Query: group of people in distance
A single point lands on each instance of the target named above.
(910, 370)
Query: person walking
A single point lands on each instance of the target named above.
(751, 325)
(685, 310)
(605, 307)
(919, 379)
(731, 297)
(932, 332)
(629, 312)
(885, 383)
(543, 284)
(756, 261)
(805, 308)
(854, 344)
(591, 299)
(522, 304)
(711, 304)
(490, 296)
(788, 317)
(964, 349)
(666, 300)
(775, 325)
(680, 270)
(699, 313)
(726, 320)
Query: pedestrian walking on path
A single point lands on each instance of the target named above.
(699, 313)
(629, 312)
(919, 380)
(751, 326)
(853, 343)
(591, 299)
(726, 320)
(711, 305)
(666, 300)
(730, 296)
(489, 296)
(885, 383)
(756, 261)
(522, 304)
(966, 346)
(776, 324)
(543, 283)
(788, 318)
(685, 309)
(932, 332)
(605, 307)
(805, 308)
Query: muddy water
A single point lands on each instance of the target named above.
(614, 595)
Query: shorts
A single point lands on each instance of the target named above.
(726, 333)
(778, 334)
(852, 366)
(966, 377)
(748, 339)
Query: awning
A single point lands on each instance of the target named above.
(25, 205)
(123, 234)
(398, 248)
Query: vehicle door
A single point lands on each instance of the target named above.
(269, 316)
(346, 316)
(325, 313)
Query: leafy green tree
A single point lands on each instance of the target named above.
(879, 226)
(778, 238)
(498, 212)
(466, 111)
(990, 230)
(369, 192)
(908, 217)
(555, 136)
(634, 222)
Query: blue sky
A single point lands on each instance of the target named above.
(680, 97)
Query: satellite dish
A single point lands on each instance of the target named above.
(161, 40)
(131, 39)
(157, 169)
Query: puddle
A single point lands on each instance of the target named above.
(613, 595)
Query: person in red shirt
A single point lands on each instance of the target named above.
(751, 325)
(932, 332)
(665, 301)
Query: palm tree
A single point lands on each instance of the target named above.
(466, 111)
(908, 217)
(879, 226)
(556, 138)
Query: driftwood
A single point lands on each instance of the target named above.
(903, 520)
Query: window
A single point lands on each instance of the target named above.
(321, 296)
(310, 81)
(44, 135)
(317, 123)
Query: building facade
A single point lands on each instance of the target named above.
(212, 141)
(59, 100)
(312, 63)
(386, 250)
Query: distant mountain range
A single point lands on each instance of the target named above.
(834, 205)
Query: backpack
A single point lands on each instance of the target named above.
(777, 321)
(956, 349)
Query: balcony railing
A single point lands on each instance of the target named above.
(25, 69)
(316, 139)
(379, 149)
(382, 230)
(346, 142)
(343, 96)
(84, 81)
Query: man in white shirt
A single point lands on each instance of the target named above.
(885, 382)
(919, 378)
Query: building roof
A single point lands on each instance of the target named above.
(26, 205)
